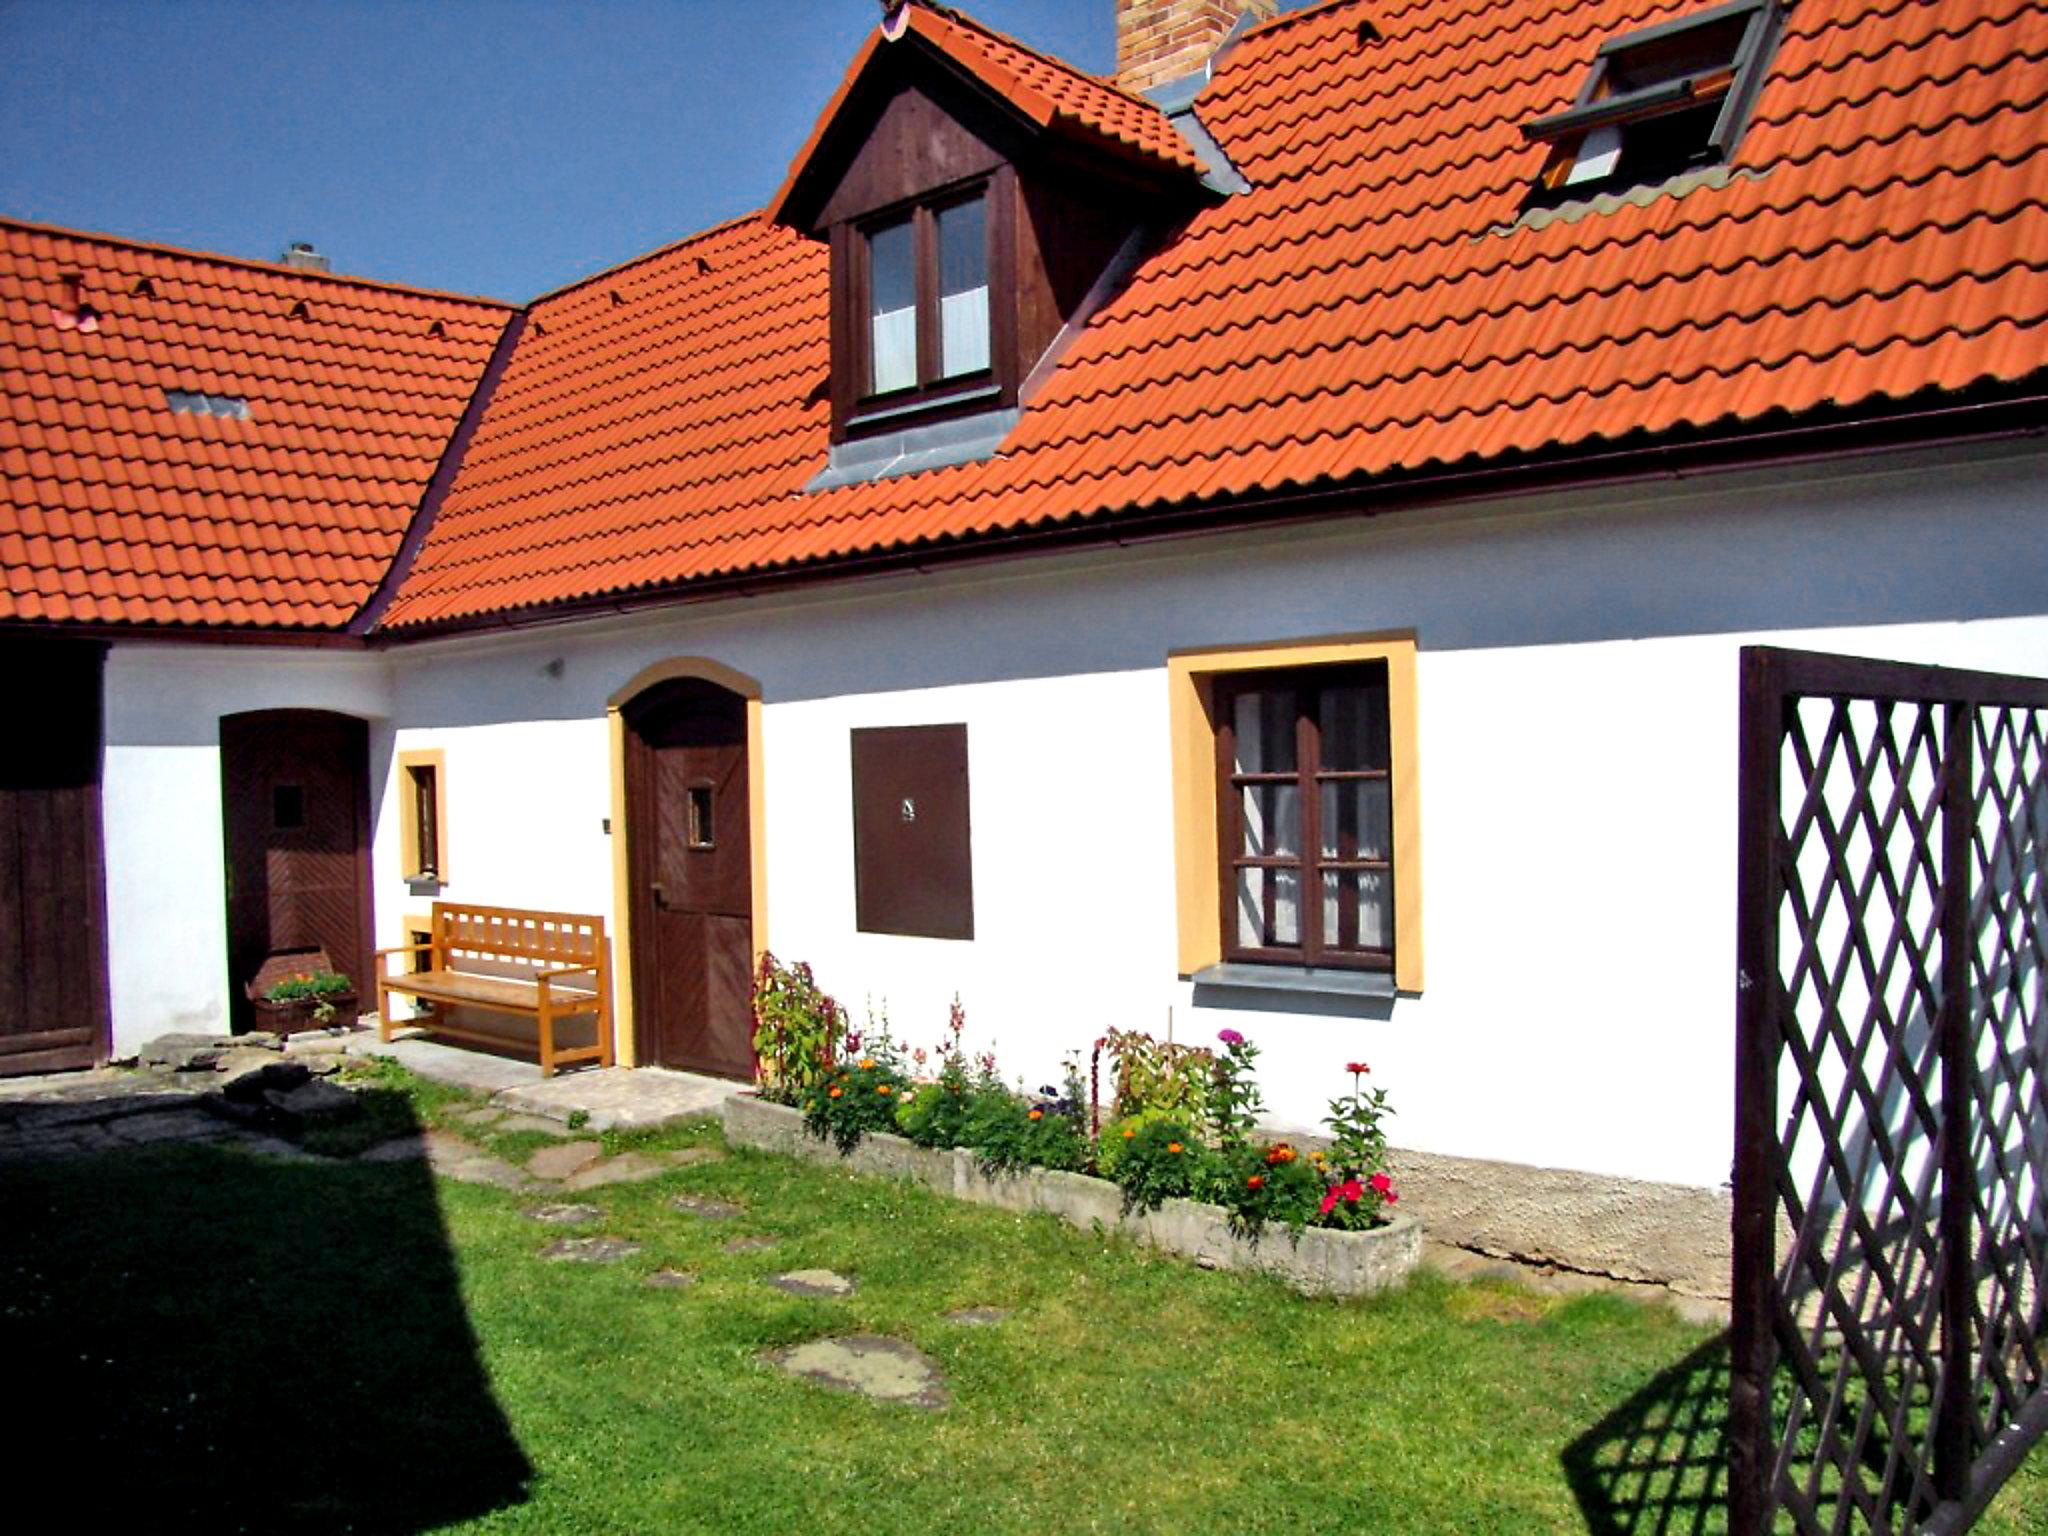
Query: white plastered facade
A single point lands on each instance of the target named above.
(1577, 699)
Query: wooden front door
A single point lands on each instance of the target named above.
(53, 962)
(691, 869)
(295, 793)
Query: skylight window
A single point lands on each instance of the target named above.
(1660, 102)
(190, 402)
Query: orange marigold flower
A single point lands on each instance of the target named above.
(1282, 1153)
(1173, 1146)
(884, 1089)
(1129, 1133)
(836, 1092)
(1256, 1181)
(1037, 1114)
(867, 1063)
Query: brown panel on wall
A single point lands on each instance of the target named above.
(53, 969)
(912, 855)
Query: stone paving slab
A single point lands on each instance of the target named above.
(589, 1250)
(671, 1279)
(563, 1159)
(626, 1168)
(620, 1098)
(706, 1208)
(886, 1370)
(813, 1282)
(566, 1215)
(473, 1070)
(978, 1317)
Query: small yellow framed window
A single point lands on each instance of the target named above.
(1322, 845)
(423, 816)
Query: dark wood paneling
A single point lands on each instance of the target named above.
(53, 978)
(912, 848)
(304, 886)
(918, 137)
(692, 900)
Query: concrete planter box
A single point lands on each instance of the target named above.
(1322, 1263)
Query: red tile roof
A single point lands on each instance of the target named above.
(1375, 305)
(117, 509)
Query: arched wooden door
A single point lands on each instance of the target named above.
(690, 868)
(295, 791)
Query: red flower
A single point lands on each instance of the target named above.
(1356, 1068)
(1382, 1185)
(1256, 1181)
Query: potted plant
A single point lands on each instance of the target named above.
(301, 991)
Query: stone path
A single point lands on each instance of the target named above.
(813, 1282)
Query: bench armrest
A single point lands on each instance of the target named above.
(402, 949)
(567, 970)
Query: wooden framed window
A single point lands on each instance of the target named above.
(1305, 816)
(423, 816)
(1661, 101)
(925, 287)
(1297, 809)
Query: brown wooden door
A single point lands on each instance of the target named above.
(53, 966)
(692, 878)
(295, 791)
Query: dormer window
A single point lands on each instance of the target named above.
(928, 297)
(980, 202)
(1660, 102)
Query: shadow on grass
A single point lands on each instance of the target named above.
(205, 1340)
(1659, 1462)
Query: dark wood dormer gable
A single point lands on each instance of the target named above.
(975, 196)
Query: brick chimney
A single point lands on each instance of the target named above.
(301, 254)
(1162, 40)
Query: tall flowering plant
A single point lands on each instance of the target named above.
(798, 1030)
(1357, 1187)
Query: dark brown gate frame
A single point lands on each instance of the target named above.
(1961, 1457)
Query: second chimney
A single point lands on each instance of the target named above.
(300, 254)
(1162, 40)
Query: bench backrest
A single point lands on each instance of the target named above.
(511, 941)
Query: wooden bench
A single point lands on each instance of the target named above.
(545, 965)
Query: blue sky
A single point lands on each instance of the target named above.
(499, 147)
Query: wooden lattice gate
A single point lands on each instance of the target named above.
(1891, 1227)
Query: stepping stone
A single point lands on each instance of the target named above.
(401, 1149)
(884, 1370)
(558, 1162)
(683, 1156)
(978, 1317)
(626, 1168)
(566, 1215)
(480, 1116)
(530, 1123)
(589, 1250)
(749, 1244)
(812, 1282)
(671, 1279)
(706, 1207)
(454, 1158)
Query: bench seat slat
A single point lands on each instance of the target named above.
(492, 991)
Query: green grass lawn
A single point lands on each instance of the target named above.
(211, 1341)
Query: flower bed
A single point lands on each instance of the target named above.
(1322, 1261)
(1182, 1163)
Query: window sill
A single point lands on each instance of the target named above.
(1323, 982)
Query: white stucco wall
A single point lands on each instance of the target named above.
(1577, 685)
(1577, 688)
(161, 808)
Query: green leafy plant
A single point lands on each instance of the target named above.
(322, 988)
(1158, 1074)
(1009, 1133)
(1234, 1099)
(862, 1091)
(578, 1118)
(1358, 1188)
(1160, 1158)
(797, 1031)
(1266, 1183)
